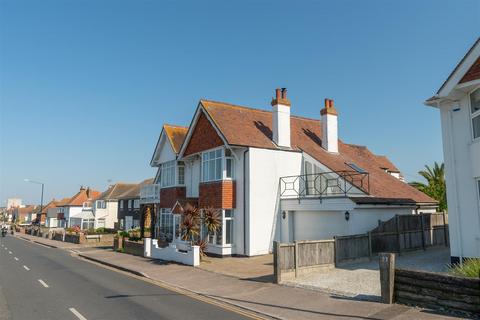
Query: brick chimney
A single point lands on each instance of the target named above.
(281, 118)
(329, 127)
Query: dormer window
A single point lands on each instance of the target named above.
(475, 112)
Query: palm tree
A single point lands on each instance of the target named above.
(211, 220)
(435, 186)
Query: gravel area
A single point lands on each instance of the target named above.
(361, 280)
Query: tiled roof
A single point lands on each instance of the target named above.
(385, 163)
(51, 204)
(116, 190)
(176, 135)
(63, 202)
(244, 126)
(134, 190)
(82, 196)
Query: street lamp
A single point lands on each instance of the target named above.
(41, 199)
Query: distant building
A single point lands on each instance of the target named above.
(13, 203)
(458, 100)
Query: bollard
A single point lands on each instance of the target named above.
(387, 276)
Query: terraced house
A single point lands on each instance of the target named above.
(273, 176)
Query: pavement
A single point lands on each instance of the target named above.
(253, 294)
(39, 282)
(361, 280)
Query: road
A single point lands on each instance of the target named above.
(38, 282)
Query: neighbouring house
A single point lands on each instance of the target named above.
(56, 216)
(42, 218)
(129, 215)
(78, 211)
(272, 176)
(106, 205)
(458, 100)
(23, 215)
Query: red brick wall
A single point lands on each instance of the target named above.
(168, 196)
(473, 73)
(204, 137)
(218, 194)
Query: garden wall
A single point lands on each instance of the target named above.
(437, 291)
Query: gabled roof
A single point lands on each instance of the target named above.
(175, 135)
(468, 69)
(51, 204)
(116, 190)
(85, 194)
(134, 190)
(243, 126)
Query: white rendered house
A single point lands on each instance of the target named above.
(273, 176)
(458, 100)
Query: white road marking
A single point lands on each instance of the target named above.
(16, 259)
(6, 248)
(76, 313)
(26, 268)
(9, 252)
(43, 283)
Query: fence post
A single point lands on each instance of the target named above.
(397, 225)
(445, 234)
(370, 245)
(276, 262)
(387, 276)
(295, 255)
(335, 252)
(422, 226)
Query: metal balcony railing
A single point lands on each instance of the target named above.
(325, 184)
(150, 193)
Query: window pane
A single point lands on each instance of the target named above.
(181, 175)
(218, 168)
(228, 231)
(211, 170)
(228, 213)
(219, 236)
(229, 168)
(476, 126)
(218, 153)
(475, 101)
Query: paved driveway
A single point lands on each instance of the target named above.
(361, 280)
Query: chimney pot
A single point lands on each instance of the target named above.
(284, 93)
(278, 94)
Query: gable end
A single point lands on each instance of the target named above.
(473, 73)
(204, 137)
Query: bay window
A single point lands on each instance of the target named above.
(167, 174)
(217, 165)
(475, 112)
(224, 234)
(181, 173)
(212, 165)
(166, 224)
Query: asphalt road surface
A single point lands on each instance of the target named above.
(37, 282)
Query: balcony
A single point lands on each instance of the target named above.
(150, 193)
(325, 184)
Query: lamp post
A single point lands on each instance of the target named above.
(41, 199)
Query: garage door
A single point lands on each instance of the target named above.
(318, 225)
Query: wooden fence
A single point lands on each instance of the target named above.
(399, 234)
(293, 259)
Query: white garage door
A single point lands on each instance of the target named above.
(319, 225)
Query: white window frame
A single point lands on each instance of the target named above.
(206, 168)
(474, 114)
(136, 203)
(130, 204)
(100, 204)
(180, 165)
(169, 167)
(121, 204)
(213, 239)
(232, 160)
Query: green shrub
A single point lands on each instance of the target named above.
(469, 268)
(134, 238)
(123, 234)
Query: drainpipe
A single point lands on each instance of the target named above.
(244, 202)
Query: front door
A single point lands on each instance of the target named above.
(128, 222)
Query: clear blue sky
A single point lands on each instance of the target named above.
(85, 86)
